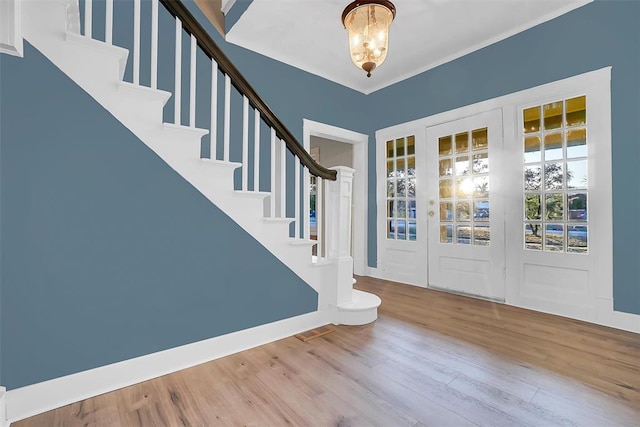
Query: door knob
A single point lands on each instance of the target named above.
(431, 213)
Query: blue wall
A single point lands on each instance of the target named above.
(106, 252)
(99, 222)
(600, 34)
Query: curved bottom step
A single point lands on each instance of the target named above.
(362, 309)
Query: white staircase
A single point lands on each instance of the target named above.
(98, 67)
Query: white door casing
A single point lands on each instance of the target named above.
(464, 176)
(360, 147)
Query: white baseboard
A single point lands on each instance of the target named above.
(34, 399)
(3, 412)
(607, 316)
(379, 273)
(375, 272)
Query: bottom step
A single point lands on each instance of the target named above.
(362, 309)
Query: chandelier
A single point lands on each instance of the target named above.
(368, 24)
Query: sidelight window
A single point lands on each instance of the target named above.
(401, 188)
(555, 170)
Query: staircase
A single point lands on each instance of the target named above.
(98, 67)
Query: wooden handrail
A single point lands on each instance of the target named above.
(211, 49)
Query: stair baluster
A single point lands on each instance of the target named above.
(245, 143)
(283, 179)
(256, 150)
(296, 192)
(154, 44)
(319, 219)
(213, 132)
(192, 84)
(272, 205)
(88, 17)
(227, 116)
(108, 32)
(136, 42)
(177, 91)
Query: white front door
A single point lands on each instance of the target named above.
(466, 246)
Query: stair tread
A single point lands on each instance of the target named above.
(162, 94)
(277, 220)
(215, 162)
(361, 301)
(187, 129)
(256, 194)
(80, 39)
(301, 242)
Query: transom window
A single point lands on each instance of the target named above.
(401, 188)
(464, 188)
(555, 176)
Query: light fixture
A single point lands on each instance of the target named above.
(368, 24)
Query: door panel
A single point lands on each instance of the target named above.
(555, 214)
(401, 235)
(465, 217)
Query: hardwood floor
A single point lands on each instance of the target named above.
(430, 359)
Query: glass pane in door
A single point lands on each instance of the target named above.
(401, 188)
(464, 188)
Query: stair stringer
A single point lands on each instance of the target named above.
(99, 72)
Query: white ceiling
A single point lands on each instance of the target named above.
(308, 34)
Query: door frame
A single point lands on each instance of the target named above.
(360, 144)
(599, 79)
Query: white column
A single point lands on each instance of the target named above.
(338, 230)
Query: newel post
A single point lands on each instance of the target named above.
(338, 208)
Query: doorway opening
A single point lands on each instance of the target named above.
(336, 146)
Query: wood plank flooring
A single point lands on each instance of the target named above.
(430, 359)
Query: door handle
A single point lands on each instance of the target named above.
(431, 213)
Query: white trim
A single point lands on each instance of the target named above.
(11, 23)
(34, 399)
(379, 273)
(360, 146)
(484, 43)
(227, 5)
(3, 412)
